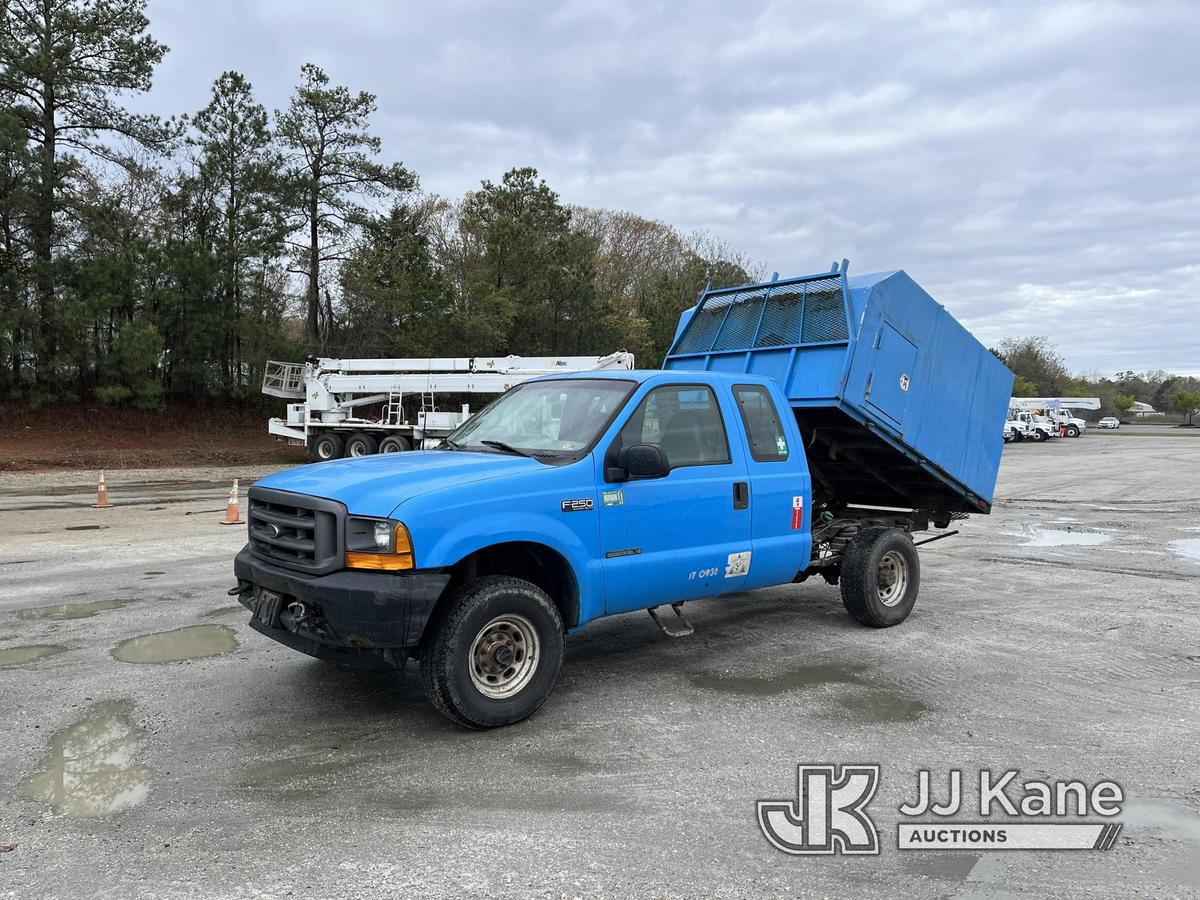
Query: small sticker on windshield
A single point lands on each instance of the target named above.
(780, 445)
(581, 505)
(613, 498)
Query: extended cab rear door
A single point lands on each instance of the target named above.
(687, 534)
(780, 488)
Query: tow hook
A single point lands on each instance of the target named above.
(297, 617)
(671, 629)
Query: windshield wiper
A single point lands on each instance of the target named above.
(508, 448)
(447, 443)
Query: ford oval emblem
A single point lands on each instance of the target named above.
(273, 530)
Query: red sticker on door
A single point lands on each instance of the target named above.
(797, 513)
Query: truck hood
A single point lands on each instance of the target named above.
(376, 485)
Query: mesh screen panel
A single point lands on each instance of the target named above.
(808, 312)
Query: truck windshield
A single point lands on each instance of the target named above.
(554, 420)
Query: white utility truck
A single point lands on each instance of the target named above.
(357, 407)
(1059, 411)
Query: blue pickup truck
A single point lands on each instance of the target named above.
(798, 428)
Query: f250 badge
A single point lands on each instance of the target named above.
(582, 505)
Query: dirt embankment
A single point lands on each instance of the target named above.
(94, 436)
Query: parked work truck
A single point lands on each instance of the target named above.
(358, 407)
(798, 428)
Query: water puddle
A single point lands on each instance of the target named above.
(71, 610)
(154, 573)
(85, 527)
(192, 642)
(944, 866)
(1167, 817)
(795, 679)
(295, 768)
(1188, 548)
(1036, 536)
(20, 656)
(90, 770)
(870, 703)
(882, 707)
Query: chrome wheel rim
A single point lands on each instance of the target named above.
(357, 449)
(891, 579)
(504, 656)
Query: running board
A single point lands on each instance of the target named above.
(670, 629)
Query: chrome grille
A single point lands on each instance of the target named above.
(295, 530)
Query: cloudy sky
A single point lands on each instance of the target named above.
(1035, 166)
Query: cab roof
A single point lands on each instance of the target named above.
(672, 375)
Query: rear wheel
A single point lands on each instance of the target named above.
(361, 444)
(394, 443)
(327, 446)
(881, 575)
(492, 655)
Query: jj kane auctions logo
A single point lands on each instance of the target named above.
(829, 814)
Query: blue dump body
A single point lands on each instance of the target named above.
(898, 404)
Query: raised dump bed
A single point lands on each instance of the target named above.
(899, 405)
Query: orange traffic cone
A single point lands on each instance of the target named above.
(102, 495)
(232, 516)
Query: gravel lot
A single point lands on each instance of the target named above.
(1058, 636)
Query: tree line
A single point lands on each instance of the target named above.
(144, 258)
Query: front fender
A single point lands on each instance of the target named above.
(464, 537)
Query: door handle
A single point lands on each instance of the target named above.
(741, 495)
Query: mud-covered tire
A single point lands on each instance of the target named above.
(326, 447)
(394, 443)
(456, 642)
(874, 562)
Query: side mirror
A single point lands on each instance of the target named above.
(643, 461)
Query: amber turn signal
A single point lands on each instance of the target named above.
(379, 562)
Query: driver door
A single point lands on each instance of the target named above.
(687, 534)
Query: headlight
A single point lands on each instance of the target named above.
(378, 544)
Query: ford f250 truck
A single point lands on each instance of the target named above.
(802, 427)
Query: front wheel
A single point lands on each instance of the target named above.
(1040, 436)
(1072, 431)
(492, 655)
(881, 574)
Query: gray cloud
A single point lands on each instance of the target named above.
(1034, 166)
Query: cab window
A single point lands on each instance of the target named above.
(768, 443)
(684, 421)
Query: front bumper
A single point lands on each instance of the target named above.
(343, 610)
